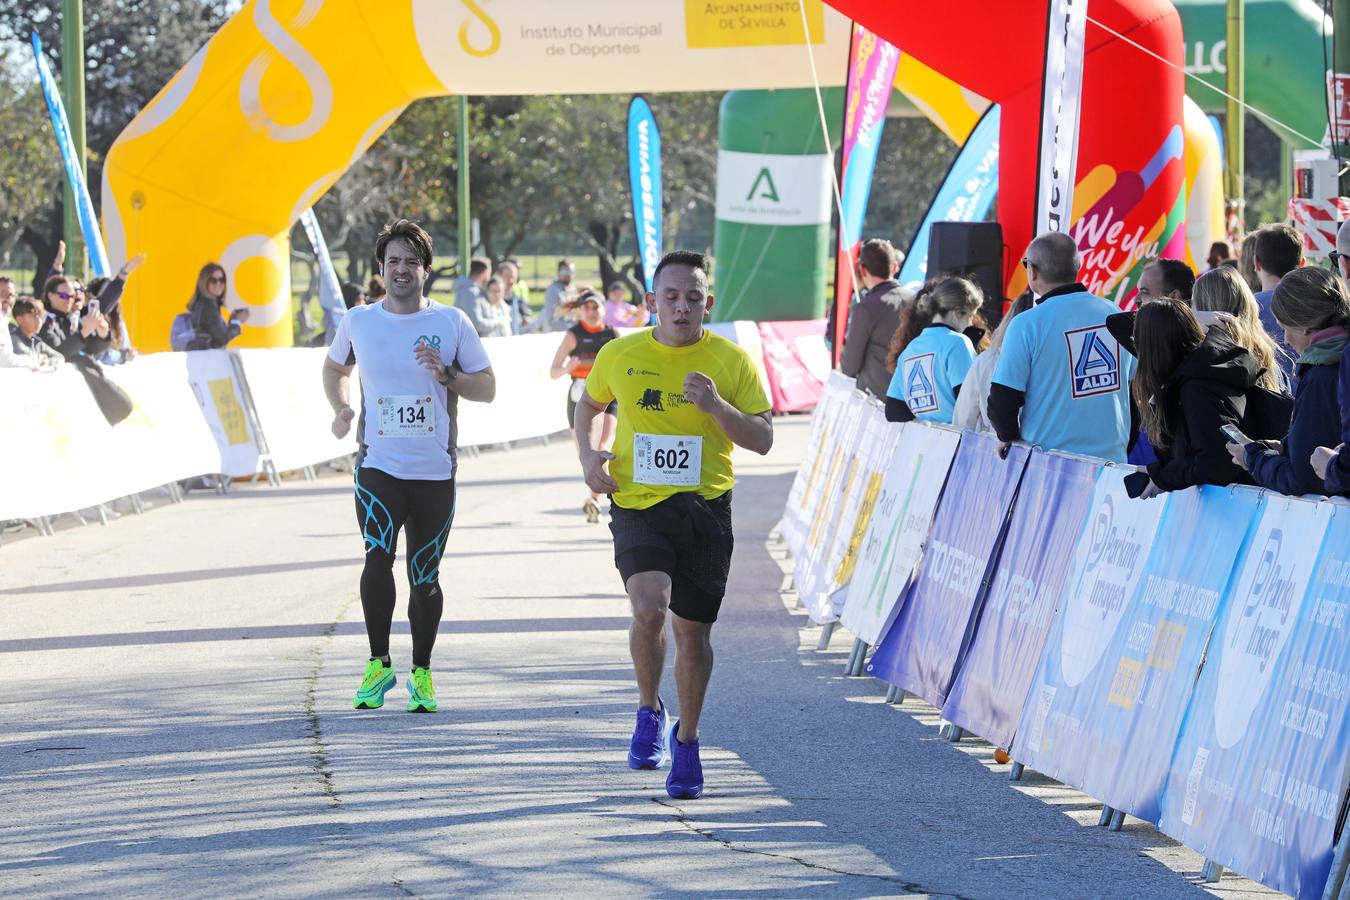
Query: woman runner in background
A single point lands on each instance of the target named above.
(575, 356)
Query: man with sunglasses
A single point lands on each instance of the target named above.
(1062, 381)
(70, 329)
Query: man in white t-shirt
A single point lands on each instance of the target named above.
(416, 359)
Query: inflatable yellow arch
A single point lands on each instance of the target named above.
(289, 93)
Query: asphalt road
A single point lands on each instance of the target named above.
(178, 722)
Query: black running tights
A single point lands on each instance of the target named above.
(384, 505)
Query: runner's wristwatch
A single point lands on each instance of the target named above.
(448, 375)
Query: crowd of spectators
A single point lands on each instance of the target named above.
(1239, 376)
(66, 321)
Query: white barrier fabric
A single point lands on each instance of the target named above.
(803, 496)
(842, 465)
(64, 439)
(166, 437)
(828, 447)
(528, 404)
(293, 413)
(75, 460)
(221, 398)
(212, 411)
(895, 538)
(876, 445)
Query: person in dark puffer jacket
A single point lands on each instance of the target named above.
(1332, 464)
(205, 309)
(1189, 385)
(1313, 307)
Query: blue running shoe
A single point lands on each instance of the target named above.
(648, 749)
(685, 781)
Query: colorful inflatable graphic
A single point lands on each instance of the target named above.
(1129, 203)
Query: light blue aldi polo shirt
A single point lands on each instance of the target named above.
(930, 370)
(1075, 376)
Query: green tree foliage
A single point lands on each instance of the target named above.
(912, 161)
(543, 166)
(30, 167)
(132, 49)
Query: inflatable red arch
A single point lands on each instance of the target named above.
(1129, 203)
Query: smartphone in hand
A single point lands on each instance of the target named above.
(1135, 484)
(1234, 434)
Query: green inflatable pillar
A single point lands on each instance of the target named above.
(774, 205)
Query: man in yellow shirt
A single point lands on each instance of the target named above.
(685, 396)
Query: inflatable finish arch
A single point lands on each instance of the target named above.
(289, 93)
(1129, 203)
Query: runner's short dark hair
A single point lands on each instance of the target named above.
(1279, 249)
(690, 258)
(405, 230)
(1176, 276)
(478, 265)
(27, 305)
(877, 257)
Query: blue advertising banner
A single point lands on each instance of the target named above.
(1109, 563)
(991, 686)
(1259, 771)
(1112, 734)
(93, 237)
(921, 651)
(644, 180)
(965, 196)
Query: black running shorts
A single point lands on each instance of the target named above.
(574, 397)
(684, 536)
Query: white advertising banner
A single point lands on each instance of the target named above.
(1061, 105)
(898, 530)
(176, 430)
(875, 449)
(825, 450)
(296, 421)
(840, 471)
(528, 403)
(220, 396)
(773, 188)
(575, 47)
(64, 439)
(803, 495)
(166, 437)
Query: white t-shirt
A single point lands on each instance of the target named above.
(407, 424)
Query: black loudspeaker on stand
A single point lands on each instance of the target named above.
(973, 249)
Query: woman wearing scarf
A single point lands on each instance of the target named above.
(1312, 305)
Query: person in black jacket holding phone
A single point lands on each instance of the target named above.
(1312, 305)
(1190, 383)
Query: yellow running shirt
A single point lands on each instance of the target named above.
(661, 435)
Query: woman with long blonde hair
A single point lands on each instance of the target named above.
(1223, 290)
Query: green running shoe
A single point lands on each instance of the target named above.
(377, 681)
(421, 692)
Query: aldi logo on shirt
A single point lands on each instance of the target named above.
(1094, 361)
(920, 393)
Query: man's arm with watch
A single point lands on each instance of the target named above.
(480, 387)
